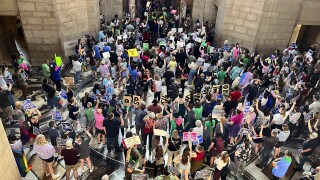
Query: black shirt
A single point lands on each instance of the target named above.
(72, 109)
(112, 128)
(174, 144)
(312, 144)
(228, 105)
(168, 75)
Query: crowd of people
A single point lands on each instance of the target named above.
(231, 98)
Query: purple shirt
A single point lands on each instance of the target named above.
(237, 119)
(44, 151)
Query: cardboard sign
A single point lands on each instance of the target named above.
(127, 101)
(218, 113)
(69, 80)
(174, 29)
(140, 176)
(145, 46)
(190, 136)
(106, 55)
(172, 38)
(206, 89)
(180, 30)
(61, 142)
(132, 52)
(159, 132)
(27, 105)
(163, 99)
(180, 44)
(215, 88)
(131, 141)
(199, 40)
(136, 100)
(196, 97)
(56, 115)
(63, 94)
(246, 107)
(225, 88)
(203, 174)
(58, 60)
(188, 97)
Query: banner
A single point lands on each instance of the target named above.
(159, 132)
(206, 89)
(136, 100)
(127, 101)
(132, 52)
(131, 141)
(190, 136)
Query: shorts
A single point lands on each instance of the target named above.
(279, 144)
(94, 68)
(8, 111)
(90, 124)
(100, 131)
(73, 167)
(31, 135)
(48, 160)
(53, 141)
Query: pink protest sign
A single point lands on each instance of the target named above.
(192, 136)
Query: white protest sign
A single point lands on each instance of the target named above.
(174, 29)
(180, 44)
(199, 40)
(106, 55)
(131, 141)
(159, 132)
(172, 38)
(180, 30)
(119, 37)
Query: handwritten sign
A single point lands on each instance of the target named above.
(215, 88)
(69, 80)
(63, 94)
(206, 89)
(27, 105)
(131, 141)
(196, 97)
(190, 136)
(163, 99)
(127, 100)
(136, 100)
(106, 55)
(133, 52)
(225, 88)
(188, 97)
(56, 114)
(159, 132)
(66, 126)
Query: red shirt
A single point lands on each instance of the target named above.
(199, 157)
(235, 95)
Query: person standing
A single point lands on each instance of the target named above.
(281, 165)
(98, 116)
(243, 155)
(33, 126)
(46, 69)
(45, 152)
(140, 112)
(5, 104)
(74, 110)
(83, 146)
(111, 129)
(22, 83)
(76, 66)
(71, 158)
(268, 144)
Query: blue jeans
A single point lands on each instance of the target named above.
(302, 160)
(49, 101)
(191, 76)
(265, 157)
(114, 142)
(77, 77)
(12, 100)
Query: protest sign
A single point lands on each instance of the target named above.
(206, 89)
(140, 176)
(188, 97)
(56, 114)
(246, 107)
(63, 94)
(136, 100)
(190, 136)
(145, 46)
(119, 37)
(203, 174)
(66, 126)
(27, 105)
(163, 99)
(8, 81)
(174, 171)
(127, 101)
(172, 38)
(180, 30)
(174, 29)
(132, 52)
(196, 97)
(215, 88)
(199, 40)
(180, 44)
(58, 60)
(225, 89)
(131, 141)
(69, 80)
(159, 132)
(106, 55)
(61, 142)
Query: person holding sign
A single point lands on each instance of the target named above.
(83, 146)
(32, 125)
(184, 161)
(22, 83)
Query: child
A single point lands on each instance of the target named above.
(23, 131)
(54, 134)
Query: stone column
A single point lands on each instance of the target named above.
(132, 8)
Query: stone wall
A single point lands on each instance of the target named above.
(109, 8)
(41, 29)
(8, 166)
(205, 10)
(9, 8)
(7, 34)
(309, 13)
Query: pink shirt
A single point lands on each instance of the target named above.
(235, 52)
(104, 69)
(99, 120)
(237, 119)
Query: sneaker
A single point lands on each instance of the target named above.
(56, 176)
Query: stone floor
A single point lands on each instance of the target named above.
(104, 163)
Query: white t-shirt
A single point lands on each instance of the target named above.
(294, 117)
(283, 136)
(205, 67)
(279, 119)
(158, 85)
(314, 107)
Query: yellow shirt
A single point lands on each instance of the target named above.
(172, 65)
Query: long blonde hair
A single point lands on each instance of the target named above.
(41, 140)
(225, 157)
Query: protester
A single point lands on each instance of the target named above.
(71, 158)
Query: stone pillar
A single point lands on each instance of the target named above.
(41, 29)
(8, 166)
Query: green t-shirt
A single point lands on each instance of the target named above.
(45, 70)
(90, 114)
(221, 75)
(209, 124)
(198, 112)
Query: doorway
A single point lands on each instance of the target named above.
(307, 35)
